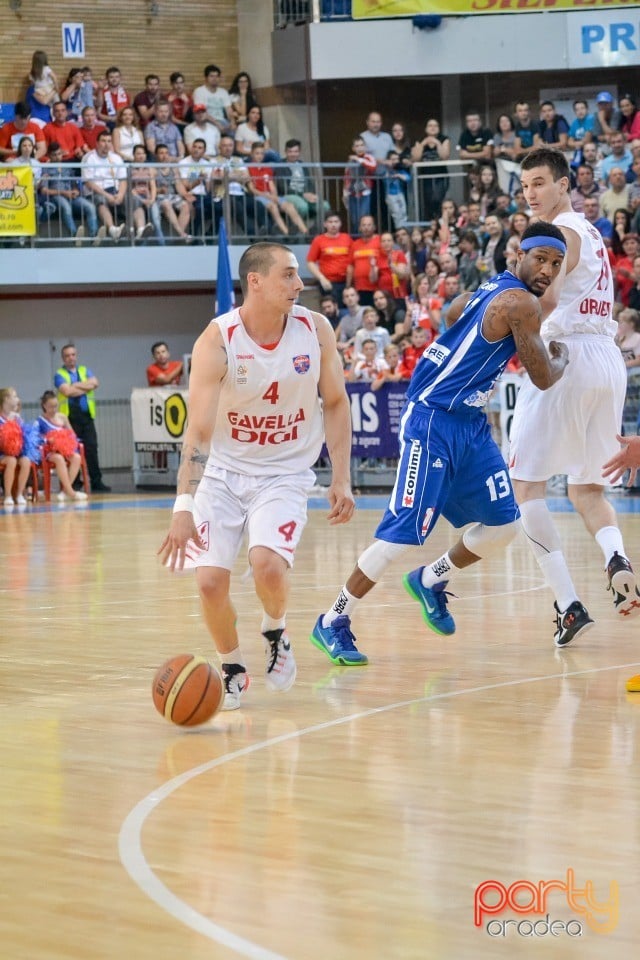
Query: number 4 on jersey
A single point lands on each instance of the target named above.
(272, 393)
(287, 530)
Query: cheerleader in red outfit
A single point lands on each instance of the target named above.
(60, 445)
(16, 466)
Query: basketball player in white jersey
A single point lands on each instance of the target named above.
(254, 429)
(571, 428)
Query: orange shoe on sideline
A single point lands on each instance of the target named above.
(633, 684)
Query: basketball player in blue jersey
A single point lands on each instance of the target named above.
(449, 464)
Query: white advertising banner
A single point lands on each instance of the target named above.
(603, 38)
(159, 418)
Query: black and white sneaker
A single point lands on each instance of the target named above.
(573, 621)
(624, 586)
(236, 681)
(280, 666)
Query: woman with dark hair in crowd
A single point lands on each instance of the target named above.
(630, 123)
(401, 143)
(519, 223)
(504, 141)
(391, 315)
(489, 189)
(621, 227)
(435, 145)
(242, 97)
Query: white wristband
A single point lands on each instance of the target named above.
(184, 502)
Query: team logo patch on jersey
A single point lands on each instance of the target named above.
(437, 463)
(241, 373)
(302, 363)
(411, 479)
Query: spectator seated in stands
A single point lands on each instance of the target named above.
(194, 186)
(620, 157)
(146, 102)
(202, 129)
(162, 130)
(370, 365)
(392, 315)
(254, 130)
(262, 187)
(580, 127)
(392, 373)
(391, 271)
(174, 207)
(66, 134)
(623, 267)
(142, 189)
(470, 276)
(242, 97)
(350, 320)
(230, 174)
(90, 127)
(553, 129)
(112, 97)
(412, 353)
(105, 183)
(634, 293)
(62, 191)
(11, 133)
(591, 210)
(476, 141)
(329, 309)
(127, 134)
(163, 372)
(585, 187)
(617, 197)
(179, 100)
(628, 339)
(296, 186)
(370, 330)
(423, 308)
(215, 99)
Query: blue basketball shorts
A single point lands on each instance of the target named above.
(450, 465)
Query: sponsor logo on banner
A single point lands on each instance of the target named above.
(302, 363)
(411, 479)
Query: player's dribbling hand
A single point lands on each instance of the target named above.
(341, 502)
(174, 545)
(559, 351)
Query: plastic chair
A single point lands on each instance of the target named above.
(48, 468)
(34, 479)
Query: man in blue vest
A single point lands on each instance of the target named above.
(76, 398)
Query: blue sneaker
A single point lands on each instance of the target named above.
(433, 601)
(338, 642)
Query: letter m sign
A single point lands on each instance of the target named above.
(73, 40)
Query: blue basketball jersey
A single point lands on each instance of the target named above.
(457, 371)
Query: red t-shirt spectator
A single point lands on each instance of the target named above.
(261, 177)
(410, 357)
(387, 279)
(153, 370)
(332, 254)
(10, 137)
(90, 135)
(68, 137)
(362, 253)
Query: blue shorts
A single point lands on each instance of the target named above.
(450, 465)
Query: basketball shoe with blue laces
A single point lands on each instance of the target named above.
(338, 642)
(433, 601)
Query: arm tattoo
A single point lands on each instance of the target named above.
(192, 464)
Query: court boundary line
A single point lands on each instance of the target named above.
(130, 836)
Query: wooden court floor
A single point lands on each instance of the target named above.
(360, 815)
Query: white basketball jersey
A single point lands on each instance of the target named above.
(269, 419)
(586, 296)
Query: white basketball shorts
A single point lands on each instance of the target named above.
(571, 427)
(272, 511)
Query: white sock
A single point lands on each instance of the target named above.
(343, 607)
(544, 539)
(609, 539)
(268, 623)
(440, 571)
(233, 657)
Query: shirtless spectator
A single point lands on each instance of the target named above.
(65, 134)
(476, 142)
(163, 130)
(179, 99)
(112, 98)
(216, 99)
(164, 371)
(146, 102)
(329, 255)
(90, 127)
(21, 126)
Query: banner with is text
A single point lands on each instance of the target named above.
(158, 418)
(17, 202)
(368, 9)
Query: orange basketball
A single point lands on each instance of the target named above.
(187, 690)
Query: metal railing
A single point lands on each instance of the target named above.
(294, 12)
(67, 222)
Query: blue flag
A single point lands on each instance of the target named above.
(225, 298)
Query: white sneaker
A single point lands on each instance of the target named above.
(236, 681)
(80, 232)
(61, 496)
(9, 502)
(116, 232)
(100, 235)
(145, 231)
(21, 501)
(79, 495)
(280, 669)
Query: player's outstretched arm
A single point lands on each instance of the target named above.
(208, 367)
(628, 458)
(337, 423)
(521, 313)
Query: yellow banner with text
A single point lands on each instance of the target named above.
(366, 9)
(17, 202)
